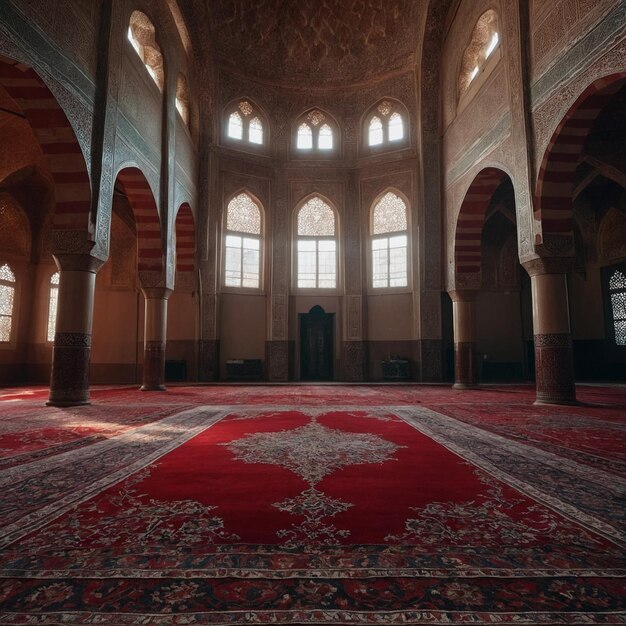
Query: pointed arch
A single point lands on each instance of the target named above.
(134, 185)
(317, 130)
(58, 142)
(471, 219)
(243, 241)
(316, 233)
(385, 124)
(185, 239)
(553, 204)
(245, 122)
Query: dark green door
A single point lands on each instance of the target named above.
(316, 344)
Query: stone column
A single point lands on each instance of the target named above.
(69, 380)
(464, 315)
(554, 357)
(155, 335)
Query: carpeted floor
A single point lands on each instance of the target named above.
(339, 504)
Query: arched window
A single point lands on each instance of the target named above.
(142, 36)
(256, 131)
(305, 137)
(390, 240)
(182, 98)
(484, 42)
(376, 131)
(396, 127)
(325, 138)
(316, 131)
(617, 292)
(385, 124)
(53, 302)
(245, 123)
(242, 243)
(7, 301)
(316, 246)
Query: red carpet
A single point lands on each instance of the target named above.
(304, 514)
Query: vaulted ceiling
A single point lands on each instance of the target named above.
(313, 42)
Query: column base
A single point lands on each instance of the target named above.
(465, 386)
(465, 370)
(153, 388)
(554, 368)
(69, 378)
(66, 403)
(539, 402)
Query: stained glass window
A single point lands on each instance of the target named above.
(389, 242)
(305, 137)
(255, 131)
(375, 131)
(316, 246)
(235, 126)
(242, 243)
(617, 290)
(53, 304)
(7, 299)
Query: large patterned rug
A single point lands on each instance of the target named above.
(357, 513)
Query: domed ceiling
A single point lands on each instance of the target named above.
(319, 42)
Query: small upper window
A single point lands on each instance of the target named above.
(53, 302)
(617, 292)
(390, 240)
(484, 42)
(245, 124)
(142, 36)
(385, 124)
(7, 302)
(315, 131)
(242, 243)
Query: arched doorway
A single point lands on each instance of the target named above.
(317, 345)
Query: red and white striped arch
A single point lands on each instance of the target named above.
(469, 226)
(553, 205)
(185, 239)
(58, 142)
(141, 199)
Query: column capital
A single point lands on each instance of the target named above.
(463, 295)
(548, 265)
(78, 262)
(158, 293)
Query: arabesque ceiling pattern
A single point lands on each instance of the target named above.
(317, 42)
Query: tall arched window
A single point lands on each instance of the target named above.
(617, 292)
(483, 43)
(316, 246)
(7, 302)
(245, 123)
(390, 241)
(53, 302)
(242, 243)
(316, 131)
(385, 124)
(142, 36)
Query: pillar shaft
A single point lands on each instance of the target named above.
(464, 316)
(155, 334)
(554, 358)
(69, 380)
